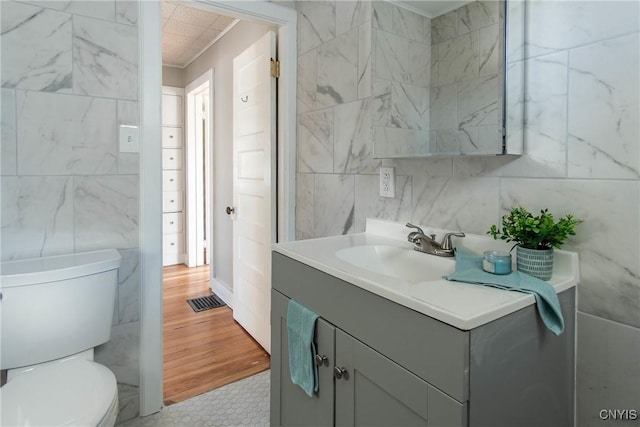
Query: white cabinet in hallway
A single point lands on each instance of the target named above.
(173, 176)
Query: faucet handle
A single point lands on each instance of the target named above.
(409, 225)
(446, 239)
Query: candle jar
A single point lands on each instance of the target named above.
(496, 262)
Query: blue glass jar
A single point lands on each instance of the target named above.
(496, 262)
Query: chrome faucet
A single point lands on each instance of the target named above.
(429, 244)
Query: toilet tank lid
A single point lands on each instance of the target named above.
(54, 268)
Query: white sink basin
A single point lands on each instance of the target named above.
(401, 263)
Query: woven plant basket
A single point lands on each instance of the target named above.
(538, 263)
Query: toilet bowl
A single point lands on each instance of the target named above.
(55, 310)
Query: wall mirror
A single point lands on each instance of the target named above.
(461, 92)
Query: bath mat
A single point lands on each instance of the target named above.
(205, 303)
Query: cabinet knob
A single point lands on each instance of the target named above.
(170, 179)
(321, 359)
(172, 201)
(171, 136)
(340, 373)
(230, 210)
(171, 222)
(173, 244)
(170, 158)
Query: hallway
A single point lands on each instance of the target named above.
(205, 350)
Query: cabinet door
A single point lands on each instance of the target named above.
(172, 110)
(374, 390)
(290, 406)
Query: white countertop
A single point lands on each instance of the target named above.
(464, 306)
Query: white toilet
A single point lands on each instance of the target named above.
(53, 312)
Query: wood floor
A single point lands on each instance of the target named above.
(205, 350)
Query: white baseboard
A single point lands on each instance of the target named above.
(222, 291)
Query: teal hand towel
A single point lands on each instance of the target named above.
(301, 323)
(469, 269)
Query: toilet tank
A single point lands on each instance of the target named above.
(52, 307)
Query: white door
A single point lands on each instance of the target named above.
(254, 142)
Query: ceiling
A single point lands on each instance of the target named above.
(187, 32)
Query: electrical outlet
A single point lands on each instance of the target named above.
(387, 182)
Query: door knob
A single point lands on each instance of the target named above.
(230, 210)
(340, 373)
(321, 359)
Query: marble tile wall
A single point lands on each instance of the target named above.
(69, 74)
(582, 156)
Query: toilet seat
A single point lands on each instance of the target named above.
(74, 392)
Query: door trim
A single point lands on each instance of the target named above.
(150, 83)
(193, 246)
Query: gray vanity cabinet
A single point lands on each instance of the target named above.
(399, 367)
(369, 389)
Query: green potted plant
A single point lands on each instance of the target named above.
(535, 238)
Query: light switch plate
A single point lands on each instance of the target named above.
(129, 139)
(387, 182)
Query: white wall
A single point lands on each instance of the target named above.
(220, 58)
(172, 76)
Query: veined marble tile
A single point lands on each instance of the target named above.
(128, 163)
(408, 24)
(8, 129)
(458, 59)
(338, 70)
(105, 58)
(604, 98)
(36, 48)
(316, 23)
(307, 77)
(607, 368)
(478, 101)
(127, 12)
(365, 66)
(37, 216)
(477, 14)
(389, 142)
(381, 102)
(490, 51)
(121, 353)
(304, 206)
(315, 141)
(545, 132)
(334, 205)
(353, 141)
(369, 205)
(515, 103)
(102, 9)
(425, 167)
(383, 15)
(409, 106)
(444, 107)
(419, 67)
(489, 141)
(557, 25)
(106, 212)
(74, 134)
(607, 242)
(351, 14)
(469, 205)
(444, 27)
(419, 142)
(128, 287)
(446, 141)
(391, 57)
